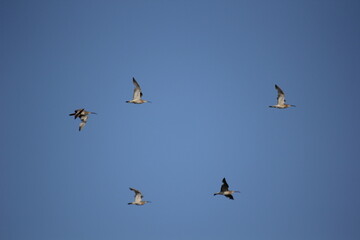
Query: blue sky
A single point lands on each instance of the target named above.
(209, 68)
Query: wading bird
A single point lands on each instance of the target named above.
(281, 99)
(225, 190)
(83, 115)
(137, 94)
(138, 198)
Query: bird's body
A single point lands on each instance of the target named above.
(281, 99)
(225, 190)
(137, 94)
(137, 198)
(83, 115)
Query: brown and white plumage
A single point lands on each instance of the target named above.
(137, 96)
(281, 99)
(225, 190)
(137, 198)
(83, 115)
(77, 113)
(83, 119)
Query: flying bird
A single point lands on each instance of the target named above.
(138, 198)
(281, 99)
(83, 115)
(225, 190)
(137, 94)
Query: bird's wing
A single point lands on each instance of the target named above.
(82, 124)
(281, 95)
(225, 186)
(137, 90)
(76, 113)
(138, 195)
(230, 196)
(79, 112)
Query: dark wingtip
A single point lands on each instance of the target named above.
(230, 197)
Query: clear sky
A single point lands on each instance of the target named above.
(209, 68)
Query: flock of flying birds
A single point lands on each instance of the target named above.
(83, 115)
